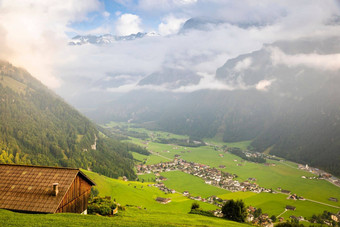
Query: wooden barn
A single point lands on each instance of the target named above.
(41, 189)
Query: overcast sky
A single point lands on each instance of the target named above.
(34, 34)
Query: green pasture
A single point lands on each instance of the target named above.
(139, 194)
(149, 177)
(284, 174)
(181, 182)
(129, 217)
(139, 157)
(274, 204)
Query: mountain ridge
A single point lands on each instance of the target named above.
(37, 127)
(275, 85)
(108, 38)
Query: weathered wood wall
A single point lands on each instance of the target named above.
(76, 198)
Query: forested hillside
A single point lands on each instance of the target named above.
(37, 127)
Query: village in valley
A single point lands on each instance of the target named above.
(229, 181)
(211, 176)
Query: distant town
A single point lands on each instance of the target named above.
(210, 175)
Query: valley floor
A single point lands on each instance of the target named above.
(273, 175)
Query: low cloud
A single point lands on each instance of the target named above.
(33, 36)
(164, 5)
(207, 82)
(33, 31)
(243, 65)
(263, 85)
(170, 25)
(317, 61)
(128, 24)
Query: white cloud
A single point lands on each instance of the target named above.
(164, 5)
(185, 2)
(106, 14)
(317, 61)
(170, 25)
(128, 24)
(34, 30)
(207, 82)
(243, 65)
(263, 85)
(32, 35)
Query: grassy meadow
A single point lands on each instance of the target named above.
(129, 217)
(137, 194)
(181, 182)
(284, 174)
(141, 209)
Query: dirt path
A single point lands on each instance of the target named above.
(322, 203)
(282, 213)
(160, 155)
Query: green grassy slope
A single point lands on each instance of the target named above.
(130, 217)
(181, 182)
(141, 195)
(141, 209)
(283, 174)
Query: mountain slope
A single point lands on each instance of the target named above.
(37, 127)
(286, 98)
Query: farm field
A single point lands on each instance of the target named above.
(185, 182)
(273, 204)
(284, 174)
(137, 194)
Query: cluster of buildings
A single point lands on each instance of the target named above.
(295, 197)
(258, 219)
(163, 188)
(163, 200)
(336, 217)
(320, 173)
(211, 176)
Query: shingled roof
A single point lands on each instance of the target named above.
(29, 188)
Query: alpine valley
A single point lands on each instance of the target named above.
(170, 113)
(287, 107)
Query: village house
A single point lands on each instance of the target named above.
(336, 217)
(163, 200)
(250, 218)
(218, 213)
(41, 189)
(293, 217)
(285, 191)
(333, 199)
(289, 207)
